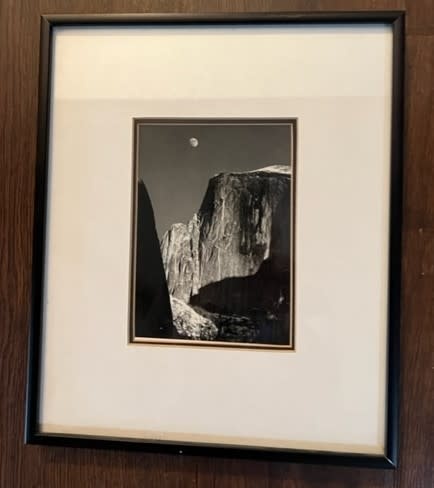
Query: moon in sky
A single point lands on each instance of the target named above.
(193, 142)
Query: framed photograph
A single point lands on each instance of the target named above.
(217, 235)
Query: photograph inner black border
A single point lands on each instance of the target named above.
(157, 240)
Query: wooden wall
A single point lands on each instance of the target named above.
(32, 466)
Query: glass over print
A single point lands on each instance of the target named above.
(213, 232)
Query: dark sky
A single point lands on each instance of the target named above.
(176, 174)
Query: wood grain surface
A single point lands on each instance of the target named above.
(46, 467)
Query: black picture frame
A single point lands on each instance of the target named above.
(32, 434)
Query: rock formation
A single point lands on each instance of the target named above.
(180, 253)
(189, 324)
(152, 311)
(233, 256)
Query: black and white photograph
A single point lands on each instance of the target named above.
(213, 239)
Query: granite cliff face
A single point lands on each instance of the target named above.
(189, 324)
(180, 253)
(237, 244)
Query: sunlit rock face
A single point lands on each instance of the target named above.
(180, 253)
(189, 324)
(242, 230)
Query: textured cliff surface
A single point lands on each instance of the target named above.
(243, 222)
(180, 253)
(190, 324)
